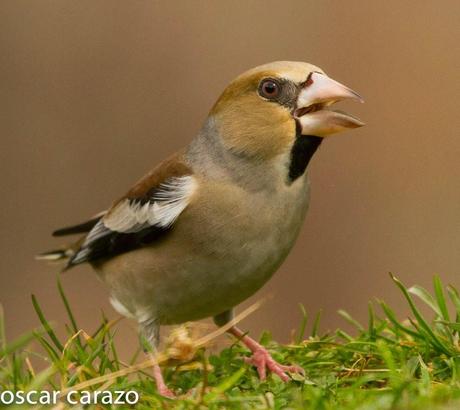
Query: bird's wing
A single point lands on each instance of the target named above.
(145, 213)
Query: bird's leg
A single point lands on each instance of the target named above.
(159, 381)
(261, 358)
(151, 331)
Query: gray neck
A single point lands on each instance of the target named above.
(208, 156)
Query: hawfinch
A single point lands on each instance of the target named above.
(208, 226)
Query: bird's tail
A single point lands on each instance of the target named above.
(66, 253)
(56, 255)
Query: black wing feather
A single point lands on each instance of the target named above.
(80, 228)
(115, 243)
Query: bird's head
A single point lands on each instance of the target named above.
(266, 110)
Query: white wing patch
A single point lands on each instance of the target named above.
(97, 232)
(168, 202)
(131, 216)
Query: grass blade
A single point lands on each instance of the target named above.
(303, 324)
(225, 385)
(67, 306)
(371, 323)
(350, 320)
(20, 342)
(440, 298)
(46, 325)
(314, 330)
(421, 321)
(394, 321)
(425, 297)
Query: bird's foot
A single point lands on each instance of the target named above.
(165, 392)
(262, 360)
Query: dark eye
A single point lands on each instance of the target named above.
(269, 89)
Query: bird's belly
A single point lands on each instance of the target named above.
(213, 287)
(210, 273)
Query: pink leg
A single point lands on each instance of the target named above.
(161, 385)
(261, 359)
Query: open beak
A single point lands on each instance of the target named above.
(313, 112)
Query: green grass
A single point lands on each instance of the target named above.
(387, 363)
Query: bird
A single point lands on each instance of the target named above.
(209, 225)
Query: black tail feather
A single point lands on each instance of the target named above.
(80, 228)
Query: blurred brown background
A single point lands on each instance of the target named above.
(94, 93)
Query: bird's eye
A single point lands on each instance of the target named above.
(269, 89)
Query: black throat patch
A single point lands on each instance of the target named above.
(303, 149)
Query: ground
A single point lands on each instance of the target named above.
(385, 364)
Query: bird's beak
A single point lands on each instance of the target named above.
(313, 113)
